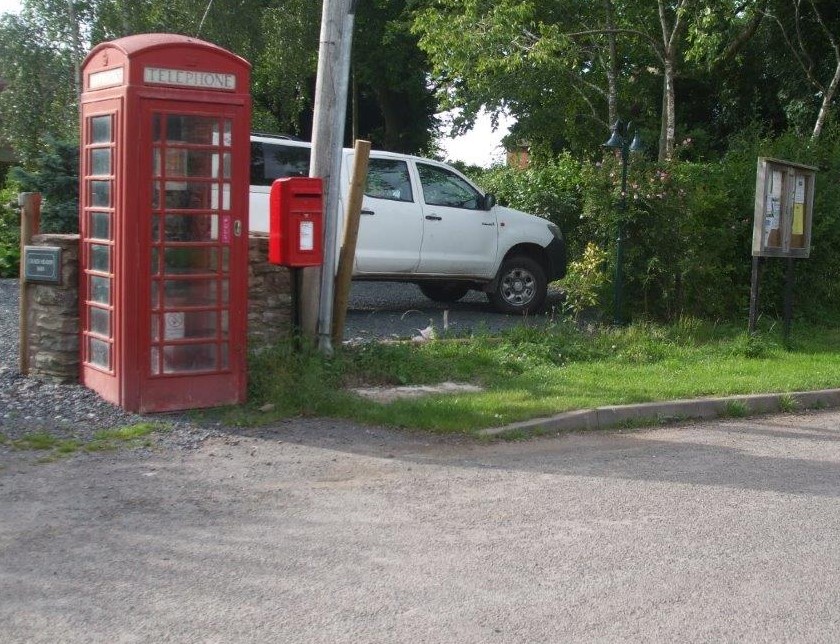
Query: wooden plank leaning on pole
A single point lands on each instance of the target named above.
(352, 214)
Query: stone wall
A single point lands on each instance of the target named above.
(269, 295)
(54, 308)
(53, 316)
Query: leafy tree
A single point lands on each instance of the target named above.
(56, 177)
(39, 97)
(811, 32)
(390, 78)
(572, 58)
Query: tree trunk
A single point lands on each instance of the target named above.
(612, 65)
(669, 119)
(76, 47)
(828, 97)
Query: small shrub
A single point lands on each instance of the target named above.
(585, 280)
(752, 345)
(736, 409)
(788, 403)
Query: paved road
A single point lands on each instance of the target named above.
(321, 531)
(392, 310)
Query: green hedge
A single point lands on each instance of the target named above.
(9, 233)
(688, 227)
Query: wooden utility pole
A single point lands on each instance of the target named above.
(352, 214)
(327, 142)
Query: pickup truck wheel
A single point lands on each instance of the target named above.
(521, 286)
(447, 292)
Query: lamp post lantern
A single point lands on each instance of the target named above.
(619, 140)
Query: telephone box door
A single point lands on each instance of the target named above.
(195, 226)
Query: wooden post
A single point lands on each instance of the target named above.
(755, 280)
(30, 224)
(351, 234)
(788, 303)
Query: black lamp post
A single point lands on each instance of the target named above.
(619, 140)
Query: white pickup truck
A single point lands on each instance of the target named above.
(424, 222)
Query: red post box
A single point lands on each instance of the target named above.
(296, 222)
(165, 123)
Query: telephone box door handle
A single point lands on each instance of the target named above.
(237, 228)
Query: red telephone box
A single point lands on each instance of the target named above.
(296, 222)
(165, 126)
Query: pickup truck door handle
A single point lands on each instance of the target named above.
(368, 212)
(433, 218)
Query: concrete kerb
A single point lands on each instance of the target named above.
(657, 413)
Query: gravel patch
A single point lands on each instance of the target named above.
(31, 405)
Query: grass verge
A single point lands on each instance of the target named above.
(54, 447)
(534, 372)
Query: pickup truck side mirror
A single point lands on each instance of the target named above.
(489, 201)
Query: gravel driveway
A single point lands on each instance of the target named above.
(384, 310)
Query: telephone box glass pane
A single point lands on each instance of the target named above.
(99, 353)
(154, 357)
(194, 293)
(189, 357)
(199, 163)
(226, 164)
(100, 129)
(214, 201)
(100, 257)
(187, 195)
(174, 325)
(200, 324)
(100, 225)
(228, 128)
(155, 261)
(192, 129)
(100, 161)
(100, 193)
(155, 330)
(187, 261)
(100, 289)
(225, 362)
(191, 228)
(100, 321)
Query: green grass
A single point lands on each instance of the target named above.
(534, 372)
(55, 447)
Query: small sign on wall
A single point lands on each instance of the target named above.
(42, 264)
